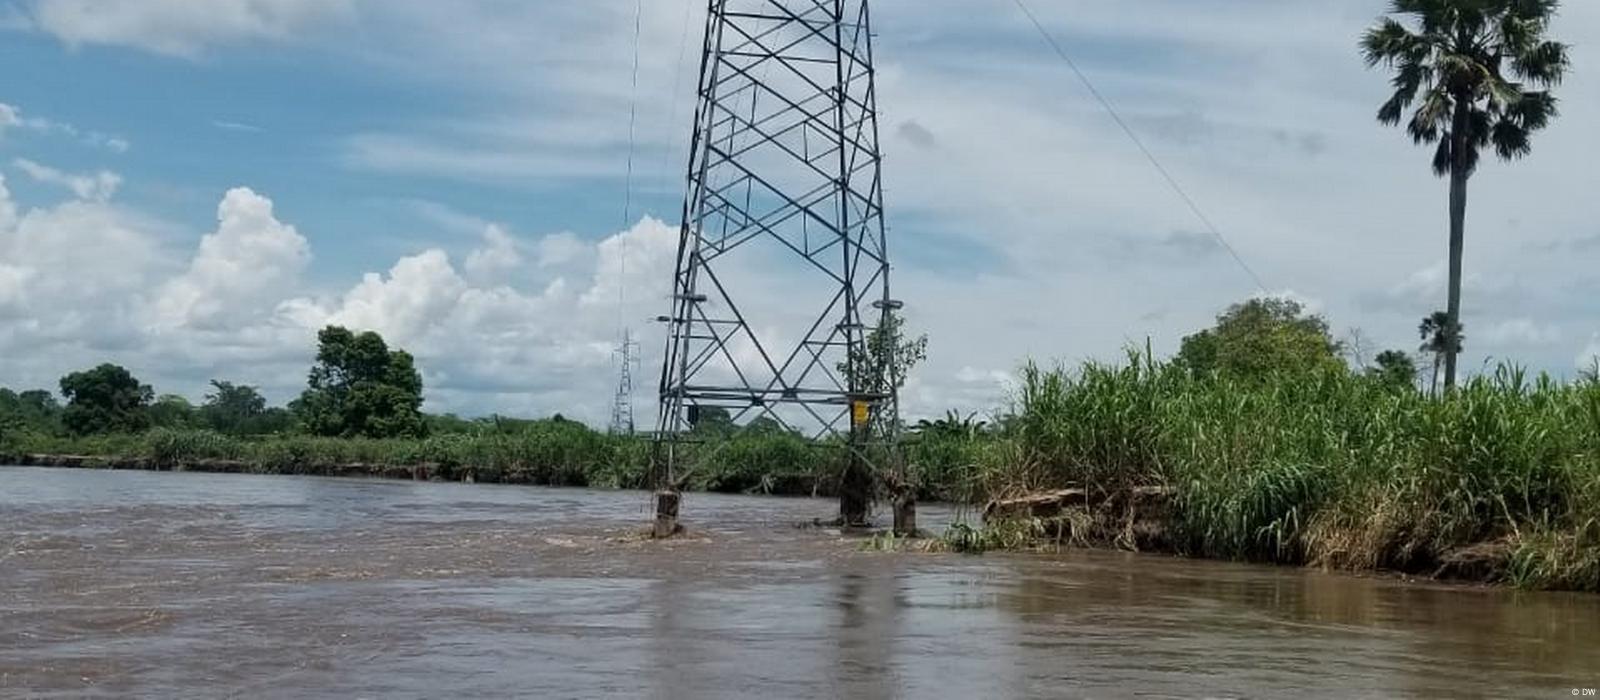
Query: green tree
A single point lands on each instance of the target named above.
(234, 409)
(1479, 74)
(172, 411)
(359, 387)
(38, 401)
(764, 425)
(105, 399)
(889, 357)
(34, 410)
(1259, 337)
(711, 421)
(886, 360)
(11, 419)
(1394, 368)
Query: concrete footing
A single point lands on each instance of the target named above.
(905, 516)
(855, 495)
(666, 514)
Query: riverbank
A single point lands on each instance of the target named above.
(543, 453)
(1497, 483)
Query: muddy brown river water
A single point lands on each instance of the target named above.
(136, 584)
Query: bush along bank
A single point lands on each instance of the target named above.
(549, 453)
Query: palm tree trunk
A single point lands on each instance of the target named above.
(1458, 232)
(1458, 216)
(1433, 389)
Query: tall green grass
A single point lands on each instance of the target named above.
(1500, 480)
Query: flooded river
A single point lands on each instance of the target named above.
(118, 584)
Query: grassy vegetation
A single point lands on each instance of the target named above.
(1498, 481)
(546, 452)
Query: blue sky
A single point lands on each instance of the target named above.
(193, 188)
(199, 132)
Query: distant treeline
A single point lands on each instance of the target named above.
(358, 387)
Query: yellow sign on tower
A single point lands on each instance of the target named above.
(860, 412)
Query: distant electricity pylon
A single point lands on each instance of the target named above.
(780, 300)
(627, 354)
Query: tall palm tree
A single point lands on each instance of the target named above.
(1479, 73)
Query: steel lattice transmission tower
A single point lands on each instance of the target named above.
(627, 354)
(782, 274)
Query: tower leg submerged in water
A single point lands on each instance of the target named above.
(667, 502)
(780, 295)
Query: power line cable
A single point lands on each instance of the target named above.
(627, 199)
(1172, 182)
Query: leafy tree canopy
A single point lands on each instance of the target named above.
(1394, 368)
(34, 410)
(1441, 335)
(173, 411)
(1476, 73)
(359, 387)
(765, 425)
(1260, 337)
(237, 409)
(888, 358)
(105, 399)
(711, 420)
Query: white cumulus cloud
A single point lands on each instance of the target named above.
(499, 255)
(87, 281)
(636, 259)
(71, 277)
(237, 271)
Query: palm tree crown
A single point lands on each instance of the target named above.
(1439, 335)
(1489, 56)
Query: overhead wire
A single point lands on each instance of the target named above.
(627, 199)
(1116, 116)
